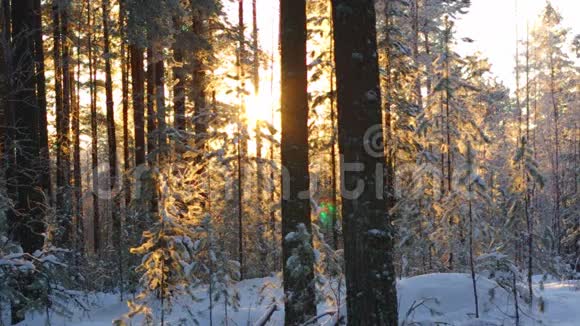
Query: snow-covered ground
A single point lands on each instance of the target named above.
(435, 299)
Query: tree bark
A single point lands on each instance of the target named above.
(5, 59)
(41, 97)
(529, 187)
(94, 134)
(64, 195)
(298, 287)
(112, 144)
(62, 99)
(333, 148)
(78, 231)
(241, 133)
(556, 160)
(179, 92)
(161, 109)
(26, 220)
(151, 114)
(125, 68)
(255, 49)
(370, 275)
(138, 94)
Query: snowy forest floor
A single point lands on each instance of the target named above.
(435, 299)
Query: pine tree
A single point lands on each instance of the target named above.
(112, 143)
(298, 258)
(370, 276)
(27, 217)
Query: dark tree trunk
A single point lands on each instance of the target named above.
(255, 49)
(41, 97)
(199, 94)
(415, 42)
(125, 67)
(448, 131)
(62, 123)
(298, 286)
(112, 144)
(26, 220)
(151, 114)
(78, 230)
(179, 92)
(447, 104)
(389, 141)
(138, 94)
(556, 161)
(152, 131)
(64, 194)
(161, 110)
(260, 200)
(370, 275)
(333, 148)
(4, 82)
(94, 135)
(57, 87)
(241, 142)
(529, 186)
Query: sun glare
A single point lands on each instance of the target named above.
(259, 107)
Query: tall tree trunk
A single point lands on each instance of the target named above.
(112, 144)
(152, 131)
(448, 125)
(520, 141)
(62, 95)
(333, 147)
(556, 160)
(5, 71)
(428, 81)
(255, 49)
(41, 97)
(241, 132)
(470, 193)
(78, 232)
(138, 94)
(262, 222)
(389, 141)
(64, 196)
(151, 114)
(370, 274)
(529, 187)
(26, 220)
(125, 68)
(199, 88)
(298, 285)
(94, 134)
(272, 180)
(447, 104)
(161, 110)
(179, 122)
(415, 42)
(138, 97)
(74, 124)
(57, 88)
